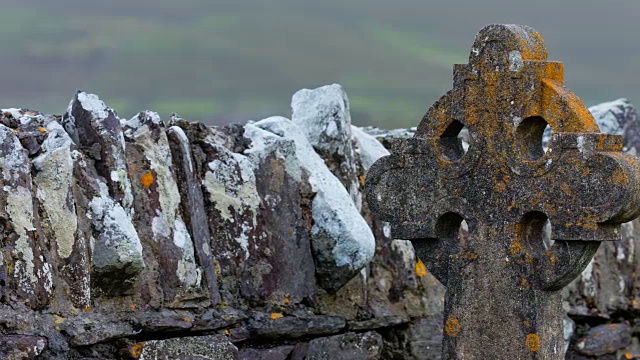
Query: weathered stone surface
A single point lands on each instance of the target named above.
(604, 339)
(277, 353)
(323, 116)
(349, 346)
(506, 96)
(293, 327)
(15, 347)
(418, 339)
(26, 272)
(213, 347)
(342, 242)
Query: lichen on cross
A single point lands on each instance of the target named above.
(503, 299)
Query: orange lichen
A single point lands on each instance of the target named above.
(186, 319)
(628, 356)
(532, 342)
(552, 259)
(619, 178)
(500, 187)
(515, 249)
(361, 178)
(420, 269)
(136, 350)
(147, 179)
(132, 306)
(525, 284)
(43, 130)
(87, 308)
(452, 327)
(275, 316)
(287, 300)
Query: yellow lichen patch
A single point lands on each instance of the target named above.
(525, 284)
(420, 269)
(452, 327)
(57, 319)
(87, 308)
(566, 189)
(186, 319)
(552, 259)
(515, 249)
(132, 306)
(147, 179)
(287, 300)
(227, 332)
(276, 316)
(361, 178)
(468, 255)
(136, 350)
(8, 267)
(532, 342)
(500, 187)
(15, 130)
(619, 178)
(43, 130)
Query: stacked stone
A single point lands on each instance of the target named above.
(118, 234)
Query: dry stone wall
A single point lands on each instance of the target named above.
(150, 238)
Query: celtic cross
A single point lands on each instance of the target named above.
(503, 299)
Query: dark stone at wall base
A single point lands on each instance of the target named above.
(276, 353)
(14, 347)
(604, 339)
(349, 346)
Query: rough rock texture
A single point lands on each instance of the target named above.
(150, 238)
(506, 187)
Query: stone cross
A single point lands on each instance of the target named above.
(502, 279)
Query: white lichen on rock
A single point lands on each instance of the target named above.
(19, 206)
(117, 246)
(54, 179)
(168, 221)
(323, 115)
(231, 186)
(369, 148)
(342, 240)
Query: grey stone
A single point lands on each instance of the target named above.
(604, 339)
(418, 339)
(324, 117)
(276, 353)
(349, 346)
(342, 241)
(213, 347)
(293, 327)
(15, 347)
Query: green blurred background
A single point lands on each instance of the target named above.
(225, 61)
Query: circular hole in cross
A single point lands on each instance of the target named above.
(452, 226)
(533, 137)
(536, 230)
(454, 141)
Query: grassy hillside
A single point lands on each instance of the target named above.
(234, 60)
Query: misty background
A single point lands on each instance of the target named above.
(225, 61)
